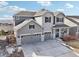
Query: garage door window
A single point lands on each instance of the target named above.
(31, 27)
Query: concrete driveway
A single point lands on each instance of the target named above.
(52, 48)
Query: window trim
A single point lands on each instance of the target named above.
(48, 20)
(59, 19)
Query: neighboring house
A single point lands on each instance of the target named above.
(6, 24)
(43, 25)
(74, 28)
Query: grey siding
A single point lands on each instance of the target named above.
(72, 31)
(25, 29)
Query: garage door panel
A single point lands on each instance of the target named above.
(31, 39)
(47, 36)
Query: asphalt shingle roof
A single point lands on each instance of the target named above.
(73, 20)
(26, 13)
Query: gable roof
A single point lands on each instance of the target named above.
(73, 16)
(39, 13)
(57, 12)
(42, 12)
(69, 22)
(26, 13)
(24, 23)
(75, 20)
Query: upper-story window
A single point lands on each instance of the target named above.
(31, 26)
(59, 19)
(47, 19)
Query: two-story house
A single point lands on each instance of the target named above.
(39, 26)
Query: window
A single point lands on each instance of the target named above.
(59, 19)
(64, 30)
(31, 26)
(57, 30)
(47, 19)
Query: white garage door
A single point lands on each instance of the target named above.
(30, 38)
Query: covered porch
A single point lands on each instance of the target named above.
(60, 31)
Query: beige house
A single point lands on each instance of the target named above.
(43, 25)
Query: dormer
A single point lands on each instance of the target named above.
(59, 18)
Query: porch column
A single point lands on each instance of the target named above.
(67, 31)
(54, 34)
(59, 32)
(18, 40)
(42, 37)
(51, 34)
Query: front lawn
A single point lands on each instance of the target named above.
(73, 43)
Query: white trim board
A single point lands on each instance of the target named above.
(31, 33)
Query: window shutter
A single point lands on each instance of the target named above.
(54, 20)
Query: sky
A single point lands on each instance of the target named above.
(9, 8)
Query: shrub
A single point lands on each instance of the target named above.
(10, 39)
(69, 38)
(2, 32)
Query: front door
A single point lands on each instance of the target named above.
(56, 33)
